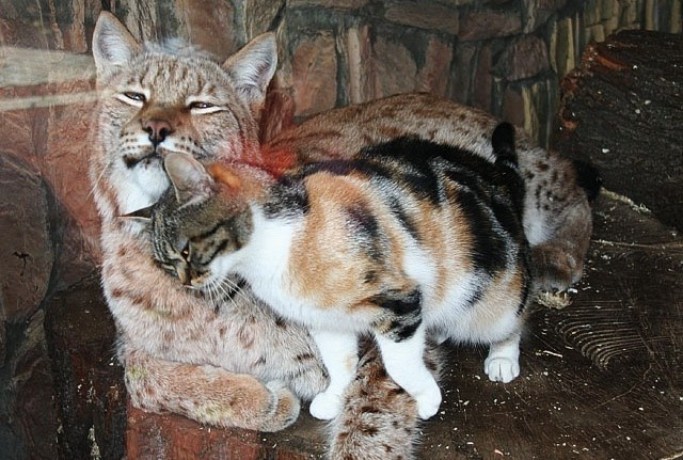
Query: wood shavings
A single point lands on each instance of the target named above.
(554, 300)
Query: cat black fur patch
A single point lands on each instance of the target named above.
(407, 309)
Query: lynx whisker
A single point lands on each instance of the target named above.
(94, 188)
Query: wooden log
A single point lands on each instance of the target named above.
(622, 109)
(91, 395)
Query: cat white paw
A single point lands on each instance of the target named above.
(501, 369)
(428, 401)
(326, 406)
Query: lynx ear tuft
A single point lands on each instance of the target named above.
(112, 44)
(143, 215)
(191, 181)
(252, 68)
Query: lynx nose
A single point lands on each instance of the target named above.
(157, 130)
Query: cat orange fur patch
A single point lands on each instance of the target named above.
(323, 226)
(225, 176)
(277, 161)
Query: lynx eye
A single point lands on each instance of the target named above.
(133, 96)
(200, 105)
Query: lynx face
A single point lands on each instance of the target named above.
(157, 100)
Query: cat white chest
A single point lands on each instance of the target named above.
(263, 262)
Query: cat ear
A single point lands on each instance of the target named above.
(191, 181)
(503, 142)
(252, 68)
(225, 176)
(112, 44)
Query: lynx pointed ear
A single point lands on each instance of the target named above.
(143, 215)
(192, 183)
(112, 44)
(252, 68)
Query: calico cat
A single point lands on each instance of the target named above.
(558, 191)
(409, 239)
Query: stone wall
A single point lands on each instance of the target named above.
(502, 56)
(505, 56)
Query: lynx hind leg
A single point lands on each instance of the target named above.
(556, 266)
(404, 362)
(379, 420)
(502, 363)
(559, 223)
(208, 394)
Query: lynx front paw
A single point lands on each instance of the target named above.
(327, 405)
(501, 369)
(284, 407)
(428, 402)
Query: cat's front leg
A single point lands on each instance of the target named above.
(502, 363)
(404, 362)
(339, 352)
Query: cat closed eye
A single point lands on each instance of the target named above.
(170, 269)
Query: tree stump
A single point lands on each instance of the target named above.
(622, 109)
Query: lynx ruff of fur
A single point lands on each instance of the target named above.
(205, 361)
(379, 245)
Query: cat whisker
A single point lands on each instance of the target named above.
(239, 291)
(232, 291)
(209, 292)
(216, 293)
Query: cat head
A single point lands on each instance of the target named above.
(158, 99)
(204, 216)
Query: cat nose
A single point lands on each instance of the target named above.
(157, 129)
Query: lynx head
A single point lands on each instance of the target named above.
(155, 100)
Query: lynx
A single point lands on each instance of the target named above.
(225, 358)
